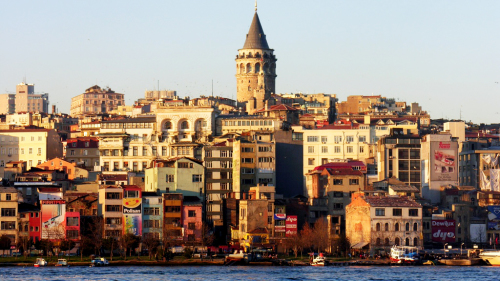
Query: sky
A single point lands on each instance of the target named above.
(445, 55)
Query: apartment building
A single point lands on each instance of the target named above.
(374, 222)
(25, 100)
(177, 175)
(111, 209)
(95, 101)
(9, 198)
(152, 215)
(172, 218)
(83, 151)
(257, 211)
(34, 146)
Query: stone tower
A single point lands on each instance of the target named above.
(255, 69)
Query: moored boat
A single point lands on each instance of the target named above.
(62, 262)
(319, 260)
(40, 262)
(404, 254)
(491, 257)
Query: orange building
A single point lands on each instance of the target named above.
(70, 169)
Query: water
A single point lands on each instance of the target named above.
(143, 273)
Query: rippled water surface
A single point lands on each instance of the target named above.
(252, 273)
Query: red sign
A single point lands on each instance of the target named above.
(279, 228)
(52, 202)
(291, 226)
(443, 231)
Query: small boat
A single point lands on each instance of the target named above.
(62, 262)
(490, 257)
(99, 262)
(319, 260)
(40, 262)
(404, 254)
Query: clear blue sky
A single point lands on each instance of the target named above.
(442, 54)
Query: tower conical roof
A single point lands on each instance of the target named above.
(256, 39)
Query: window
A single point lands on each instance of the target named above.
(72, 221)
(337, 139)
(39, 151)
(397, 212)
(144, 151)
(261, 149)
(247, 171)
(6, 225)
(415, 226)
(338, 182)
(8, 212)
(361, 149)
(30, 150)
(113, 208)
(265, 159)
(170, 178)
(378, 227)
(191, 213)
(324, 149)
(310, 161)
(131, 194)
(350, 149)
(362, 138)
(192, 226)
(246, 160)
(113, 195)
(163, 151)
(312, 139)
(353, 181)
(8, 196)
(337, 149)
(310, 149)
(152, 211)
(349, 138)
(396, 227)
(386, 227)
(297, 136)
(413, 212)
(135, 151)
(247, 149)
(324, 139)
(379, 212)
(197, 178)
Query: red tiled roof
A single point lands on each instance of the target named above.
(278, 107)
(341, 165)
(342, 172)
(391, 201)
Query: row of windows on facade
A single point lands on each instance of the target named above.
(109, 96)
(13, 151)
(397, 212)
(195, 178)
(255, 68)
(249, 123)
(336, 149)
(397, 241)
(102, 102)
(184, 124)
(405, 153)
(7, 197)
(222, 154)
(116, 166)
(97, 109)
(180, 150)
(260, 160)
(324, 139)
(408, 227)
(14, 139)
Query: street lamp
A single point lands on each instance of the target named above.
(461, 249)
(444, 249)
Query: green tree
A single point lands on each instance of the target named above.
(66, 245)
(24, 245)
(128, 242)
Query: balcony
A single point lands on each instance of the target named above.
(113, 226)
(111, 143)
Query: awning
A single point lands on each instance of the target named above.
(360, 245)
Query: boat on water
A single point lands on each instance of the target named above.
(99, 262)
(319, 260)
(490, 257)
(40, 262)
(62, 262)
(404, 254)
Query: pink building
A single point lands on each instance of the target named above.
(192, 222)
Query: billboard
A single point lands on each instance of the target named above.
(53, 219)
(132, 215)
(493, 217)
(443, 231)
(279, 228)
(279, 216)
(444, 164)
(291, 226)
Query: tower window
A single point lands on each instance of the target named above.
(249, 68)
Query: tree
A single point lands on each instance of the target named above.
(46, 245)
(110, 244)
(24, 245)
(343, 244)
(320, 235)
(66, 245)
(151, 243)
(306, 237)
(95, 233)
(85, 244)
(4, 243)
(129, 241)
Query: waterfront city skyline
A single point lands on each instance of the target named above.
(442, 55)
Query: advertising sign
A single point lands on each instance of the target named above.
(291, 226)
(443, 231)
(444, 164)
(280, 216)
(53, 219)
(132, 215)
(279, 228)
(493, 217)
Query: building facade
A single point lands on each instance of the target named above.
(95, 101)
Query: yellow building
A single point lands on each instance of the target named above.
(95, 101)
(34, 146)
(8, 217)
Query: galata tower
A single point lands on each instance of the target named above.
(255, 69)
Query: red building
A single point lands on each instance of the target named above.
(73, 225)
(35, 221)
